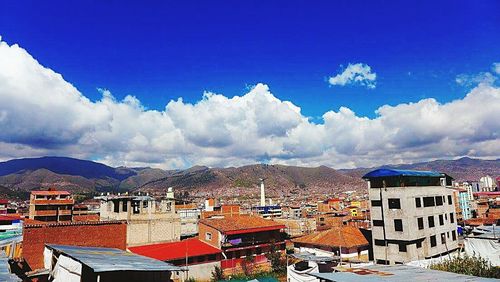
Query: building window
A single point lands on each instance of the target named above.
(376, 203)
(379, 242)
(431, 221)
(381, 261)
(443, 238)
(429, 202)
(419, 244)
(433, 241)
(378, 222)
(454, 235)
(208, 236)
(441, 219)
(452, 219)
(418, 202)
(420, 222)
(439, 201)
(398, 225)
(402, 247)
(449, 200)
(394, 203)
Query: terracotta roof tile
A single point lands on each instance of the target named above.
(237, 223)
(345, 236)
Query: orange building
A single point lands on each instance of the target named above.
(51, 206)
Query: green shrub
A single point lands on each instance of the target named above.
(468, 265)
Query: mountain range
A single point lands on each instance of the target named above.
(19, 176)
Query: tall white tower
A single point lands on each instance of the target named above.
(262, 193)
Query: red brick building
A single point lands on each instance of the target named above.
(109, 234)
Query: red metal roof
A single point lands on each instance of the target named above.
(257, 229)
(9, 217)
(49, 193)
(176, 250)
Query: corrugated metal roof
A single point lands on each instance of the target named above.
(384, 172)
(174, 250)
(5, 274)
(397, 273)
(109, 259)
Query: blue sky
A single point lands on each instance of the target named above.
(162, 50)
(369, 83)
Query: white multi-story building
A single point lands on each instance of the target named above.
(412, 214)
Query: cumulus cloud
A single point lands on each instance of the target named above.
(360, 74)
(42, 114)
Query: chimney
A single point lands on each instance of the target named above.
(262, 193)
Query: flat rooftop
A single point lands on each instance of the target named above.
(396, 273)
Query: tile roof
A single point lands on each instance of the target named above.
(240, 224)
(175, 250)
(349, 237)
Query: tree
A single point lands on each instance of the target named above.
(217, 274)
(278, 262)
(248, 265)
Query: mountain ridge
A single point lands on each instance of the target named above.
(83, 176)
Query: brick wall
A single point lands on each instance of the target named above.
(90, 234)
(202, 229)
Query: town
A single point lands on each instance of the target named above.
(403, 220)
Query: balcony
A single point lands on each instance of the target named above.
(53, 202)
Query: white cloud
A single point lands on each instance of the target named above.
(496, 68)
(355, 74)
(42, 114)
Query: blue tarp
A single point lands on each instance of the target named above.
(383, 172)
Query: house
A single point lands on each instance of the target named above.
(51, 205)
(195, 256)
(148, 220)
(189, 215)
(345, 241)
(75, 264)
(413, 215)
(239, 237)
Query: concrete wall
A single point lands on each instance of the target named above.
(200, 272)
(409, 214)
(153, 231)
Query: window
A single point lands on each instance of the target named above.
(446, 216)
(381, 261)
(448, 235)
(378, 222)
(394, 203)
(212, 257)
(441, 219)
(419, 244)
(402, 247)
(429, 202)
(124, 206)
(418, 202)
(420, 222)
(454, 235)
(398, 225)
(439, 201)
(208, 236)
(433, 241)
(431, 221)
(443, 238)
(379, 242)
(449, 200)
(376, 203)
(452, 219)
